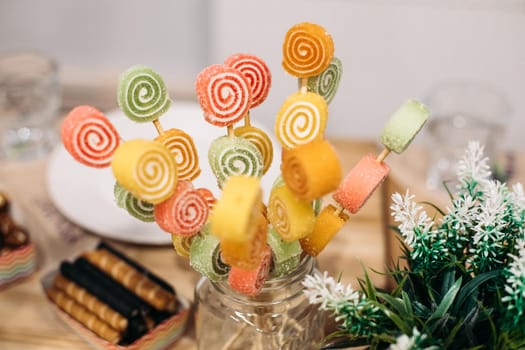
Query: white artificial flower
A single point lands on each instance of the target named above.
(491, 213)
(516, 269)
(473, 165)
(410, 216)
(325, 290)
(404, 342)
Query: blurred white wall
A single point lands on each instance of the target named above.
(391, 49)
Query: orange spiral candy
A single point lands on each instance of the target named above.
(256, 72)
(185, 213)
(224, 94)
(301, 119)
(89, 136)
(208, 196)
(261, 140)
(311, 170)
(307, 50)
(181, 145)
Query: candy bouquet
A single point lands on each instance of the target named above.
(238, 238)
(464, 287)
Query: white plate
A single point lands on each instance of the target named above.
(85, 195)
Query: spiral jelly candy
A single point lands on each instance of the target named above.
(326, 83)
(301, 119)
(135, 207)
(307, 50)
(146, 169)
(291, 217)
(327, 224)
(208, 196)
(250, 282)
(285, 255)
(231, 156)
(183, 148)
(256, 72)
(89, 136)
(311, 170)
(182, 244)
(360, 183)
(184, 213)
(404, 125)
(261, 140)
(205, 257)
(236, 214)
(224, 94)
(142, 94)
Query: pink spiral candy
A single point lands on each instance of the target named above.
(224, 94)
(184, 213)
(256, 72)
(208, 196)
(89, 136)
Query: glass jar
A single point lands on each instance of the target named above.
(279, 317)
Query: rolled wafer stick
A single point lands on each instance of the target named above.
(90, 302)
(133, 280)
(84, 316)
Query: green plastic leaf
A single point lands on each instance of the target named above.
(446, 302)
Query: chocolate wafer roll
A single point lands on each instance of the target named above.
(90, 302)
(83, 315)
(132, 279)
(138, 267)
(5, 203)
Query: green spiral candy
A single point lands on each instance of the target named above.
(205, 257)
(137, 208)
(286, 256)
(326, 83)
(142, 94)
(233, 155)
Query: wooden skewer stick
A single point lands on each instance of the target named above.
(247, 121)
(230, 131)
(338, 210)
(304, 85)
(159, 128)
(234, 337)
(381, 157)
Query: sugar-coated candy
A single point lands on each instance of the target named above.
(291, 217)
(89, 136)
(146, 169)
(208, 196)
(301, 119)
(246, 255)
(137, 208)
(261, 140)
(311, 170)
(142, 94)
(184, 213)
(183, 148)
(285, 255)
(327, 224)
(224, 94)
(205, 257)
(326, 83)
(235, 215)
(404, 125)
(231, 156)
(182, 244)
(256, 72)
(307, 50)
(360, 183)
(250, 282)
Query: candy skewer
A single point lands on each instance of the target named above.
(234, 338)
(231, 133)
(381, 157)
(304, 85)
(158, 126)
(247, 121)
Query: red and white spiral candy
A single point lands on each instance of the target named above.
(208, 195)
(256, 72)
(224, 94)
(184, 213)
(89, 136)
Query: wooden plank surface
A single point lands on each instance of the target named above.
(28, 322)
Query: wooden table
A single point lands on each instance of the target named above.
(28, 322)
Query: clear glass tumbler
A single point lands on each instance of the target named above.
(280, 317)
(29, 105)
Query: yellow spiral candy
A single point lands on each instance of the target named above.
(146, 169)
(182, 244)
(292, 218)
(301, 119)
(183, 148)
(307, 50)
(311, 170)
(261, 140)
